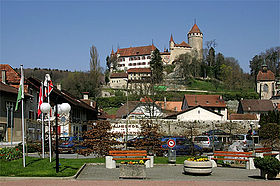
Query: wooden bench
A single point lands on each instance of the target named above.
(235, 156)
(266, 151)
(116, 155)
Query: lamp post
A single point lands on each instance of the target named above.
(63, 108)
(45, 108)
(252, 135)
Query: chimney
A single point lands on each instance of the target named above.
(85, 95)
(164, 103)
(58, 86)
(4, 76)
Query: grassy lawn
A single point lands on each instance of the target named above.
(38, 167)
(111, 110)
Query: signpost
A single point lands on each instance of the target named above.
(171, 153)
(171, 143)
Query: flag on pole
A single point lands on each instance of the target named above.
(20, 90)
(40, 100)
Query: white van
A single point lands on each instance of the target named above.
(245, 139)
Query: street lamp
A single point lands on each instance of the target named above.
(63, 108)
(45, 108)
(252, 135)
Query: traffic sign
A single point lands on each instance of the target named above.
(171, 143)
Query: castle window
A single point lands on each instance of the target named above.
(265, 88)
(143, 57)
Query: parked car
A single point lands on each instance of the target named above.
(206, 142)
(69, 144)
(245, 139)
(183, 146)
(215, 132)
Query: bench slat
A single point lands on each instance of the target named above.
(260, 151)
(264, 148)
(230, 159)
(230, 152)
(129, 154)
(233, 155)
(126, 151)
(270, 154)
(131, 158)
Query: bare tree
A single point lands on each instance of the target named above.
(95, 73)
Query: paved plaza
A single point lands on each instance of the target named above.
(97, 174)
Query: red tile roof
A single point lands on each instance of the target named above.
(243, 117)
(145, 100)
(256, 105)
(170, 105)
(265, 76)
(183, 44)
(195, 29)
(171, 38)
(136, 51)
(205, 100)
(12, 77)
(119, 75)
(139, 70)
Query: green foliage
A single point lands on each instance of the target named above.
(169, 68)
(271, 57)
(268, 164)
(108, 102)
(10, 153)
(156, 66)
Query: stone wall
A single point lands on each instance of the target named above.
(179, 128)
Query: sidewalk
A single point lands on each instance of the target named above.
(172, 173)
(159, 175)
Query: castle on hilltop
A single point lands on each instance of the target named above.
(139, 57)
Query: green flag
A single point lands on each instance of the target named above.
(20, 91)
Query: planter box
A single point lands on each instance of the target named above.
(195, 167)
(132, 171)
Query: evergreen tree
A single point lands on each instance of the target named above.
(156, 66)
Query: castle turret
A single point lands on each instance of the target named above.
(195, 39)
(171, 42)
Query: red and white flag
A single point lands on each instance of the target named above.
(48, 85)
(40, 100)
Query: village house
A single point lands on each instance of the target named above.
(197, 113)
(145, 108)
(213, 103)
(255, 106)
(118, 80)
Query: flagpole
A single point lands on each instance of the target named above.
(22, 117)
(43, 136)
(50, 136)
(12, 122)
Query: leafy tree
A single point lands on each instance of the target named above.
(151, 141)
(210, 62)
(270, 128)
(156, 66)
(217, 68)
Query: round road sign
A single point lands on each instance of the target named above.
(171, 143)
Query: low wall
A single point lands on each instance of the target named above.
(180, 128)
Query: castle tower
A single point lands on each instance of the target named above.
(195, 40)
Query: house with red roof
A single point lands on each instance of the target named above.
(214, 103)
(145, 108)
(133, 57)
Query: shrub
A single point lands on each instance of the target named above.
(269, 165)
(10, 153)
